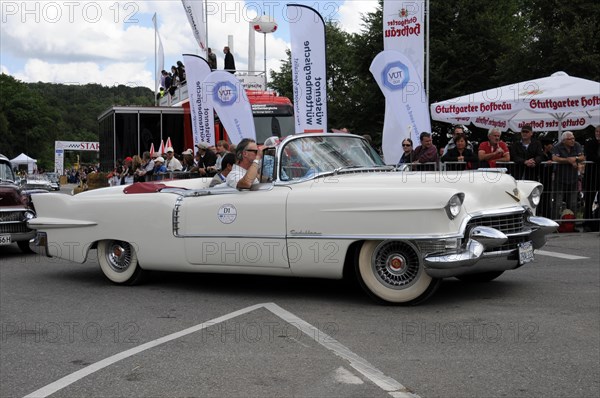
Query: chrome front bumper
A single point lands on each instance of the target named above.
(476, 255)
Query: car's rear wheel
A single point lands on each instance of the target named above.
(481, 277)
(393, 272)
(24, 246)
(118, 262)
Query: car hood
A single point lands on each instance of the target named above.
(420, 190)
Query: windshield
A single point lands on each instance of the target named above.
(311, 156)
(6, 173)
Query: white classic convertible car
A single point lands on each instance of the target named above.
(327, 207)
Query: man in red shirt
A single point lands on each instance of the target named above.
(494, 150)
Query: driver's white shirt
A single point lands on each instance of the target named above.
(236, 174)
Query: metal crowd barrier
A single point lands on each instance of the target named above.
(566, 189)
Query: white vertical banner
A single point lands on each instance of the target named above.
(228, 97)
(194, 10)
(309, 76)
(160, 57)
(405, 101)
(403, 31)
(201, 111)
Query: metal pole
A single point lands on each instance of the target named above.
(155, 61)
(427, 50)
(265, 50)
(206, 26)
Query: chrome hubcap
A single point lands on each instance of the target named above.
(396, 264)
(119, 256)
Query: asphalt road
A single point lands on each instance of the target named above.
(533, 332)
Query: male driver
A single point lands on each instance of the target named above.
(568, 154)
(494, 150)
(244, 172)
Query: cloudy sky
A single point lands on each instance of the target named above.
(112, 42)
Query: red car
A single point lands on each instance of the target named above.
(15, 209)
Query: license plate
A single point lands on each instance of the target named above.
(525, 252)
(5, 240)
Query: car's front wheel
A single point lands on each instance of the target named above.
(393, 271)
(118, 262)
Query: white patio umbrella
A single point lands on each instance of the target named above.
(558, 102)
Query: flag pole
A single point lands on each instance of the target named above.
(155, 61)
(206, 27)
(427, 50)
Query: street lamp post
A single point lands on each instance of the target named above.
(265, 24)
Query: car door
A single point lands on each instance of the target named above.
(241, 228)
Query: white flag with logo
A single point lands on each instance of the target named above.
(404, 98)
(228, 97)
(309, 79)
(201, 111)
(195, 14)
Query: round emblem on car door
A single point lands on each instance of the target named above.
(227, 214)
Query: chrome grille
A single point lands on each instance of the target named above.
(11, 216)
(509, 224)
(506, 223)
(14, 228)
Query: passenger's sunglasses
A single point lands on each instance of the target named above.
(406, 145)
(252, 150)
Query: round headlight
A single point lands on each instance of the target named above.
(29, 215)
(535, 196)
(454, 205)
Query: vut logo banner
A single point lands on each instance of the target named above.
(225, 93)
(395, 76)
(405, 101)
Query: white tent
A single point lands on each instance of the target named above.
(558, 102)
(23, 159)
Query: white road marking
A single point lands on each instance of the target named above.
(559, 255)
(361, 365)
(343, 375)
(88, 370)
(394, 388)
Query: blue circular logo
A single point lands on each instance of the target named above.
(395, 76)
(225, 93)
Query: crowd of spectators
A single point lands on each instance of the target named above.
(568, 170)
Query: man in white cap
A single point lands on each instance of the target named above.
(172, 163)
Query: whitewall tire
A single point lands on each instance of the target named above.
(393, 272)
(118, 262)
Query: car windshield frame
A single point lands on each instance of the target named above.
(306, 156)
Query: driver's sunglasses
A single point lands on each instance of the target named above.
(252, 150)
